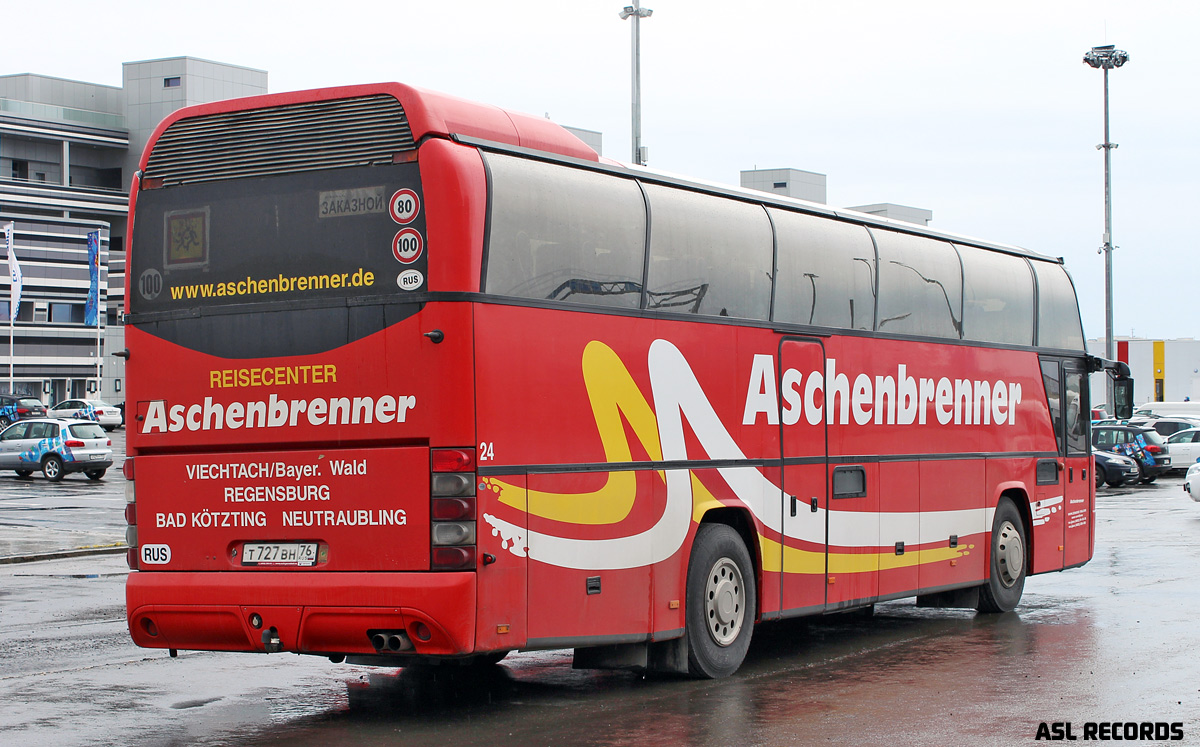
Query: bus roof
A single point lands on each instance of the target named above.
(430, 113)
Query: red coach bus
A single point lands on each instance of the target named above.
(416, 379)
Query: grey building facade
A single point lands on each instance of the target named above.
(68, 151)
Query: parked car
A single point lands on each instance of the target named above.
(1115, 469)
(14, 407)
(1191, 482)
(57, 447)
(1139, 442)
(1167, 426)
(1185, 448)
(1166, 409)
(103, 413)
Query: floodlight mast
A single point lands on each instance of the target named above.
(637, 13)
(1105, 58)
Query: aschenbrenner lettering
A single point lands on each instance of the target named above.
(903, 399)
(275, 413)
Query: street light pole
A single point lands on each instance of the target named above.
(637, 13)
(1106, 58)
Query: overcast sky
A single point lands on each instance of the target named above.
(983, 113)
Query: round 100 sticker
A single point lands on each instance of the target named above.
(407, 246)
(404, 206)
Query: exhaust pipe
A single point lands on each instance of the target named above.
(390, 641)
(398, 642)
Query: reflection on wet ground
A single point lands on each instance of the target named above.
(1112, 641)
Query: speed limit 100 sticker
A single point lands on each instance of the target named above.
(404, 206)
(407, 246)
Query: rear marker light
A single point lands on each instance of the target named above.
(452, 509)
(452, 558)
(131, 514)
(131, 536)
(453, 460)
(449, 533)
(454, 483)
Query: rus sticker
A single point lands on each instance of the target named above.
(410, 280)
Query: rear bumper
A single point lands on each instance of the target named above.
(317, 613)
(86, 466)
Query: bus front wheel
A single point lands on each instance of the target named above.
(721, 602)
(1006, 579)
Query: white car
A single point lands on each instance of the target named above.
(1185, 448)
(1191, 483)
(108, 416)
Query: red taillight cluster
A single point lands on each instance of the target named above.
(1154, 448)
(131, 538)
(452, 529)
(73, 444)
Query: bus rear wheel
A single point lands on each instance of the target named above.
(1006, 579)
(721, 602)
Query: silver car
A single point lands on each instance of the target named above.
(57, 447)
(108, 416)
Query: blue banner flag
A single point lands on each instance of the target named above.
(14, 272)
(90, 316)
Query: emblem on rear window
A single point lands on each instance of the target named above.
(186, 239)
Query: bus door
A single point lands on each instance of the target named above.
(1080, 486)
(1062, 511)
(805, 495)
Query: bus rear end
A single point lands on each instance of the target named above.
(301, 421)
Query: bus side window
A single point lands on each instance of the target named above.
(997, 297)
(920, 285)
(708, 255)
(826, 273)
(563, 234)
(1059, 325)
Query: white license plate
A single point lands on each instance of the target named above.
(95, 457)
(279, 553)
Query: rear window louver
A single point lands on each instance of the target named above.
(281, 140)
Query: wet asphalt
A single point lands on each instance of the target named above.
(1115, 642)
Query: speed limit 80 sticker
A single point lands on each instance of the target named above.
(404, 206)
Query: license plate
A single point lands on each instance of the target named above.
(279, 553)
(95, 457)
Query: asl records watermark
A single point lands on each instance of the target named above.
(1110, 731)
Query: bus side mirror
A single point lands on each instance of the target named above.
(1122, 398)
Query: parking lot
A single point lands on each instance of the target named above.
(1111, 642)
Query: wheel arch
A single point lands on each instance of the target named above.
(742, 522)
(1020, 498)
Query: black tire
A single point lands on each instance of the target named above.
(4, 422)
(721, 602)
(95, 474)
(52, 468)
(1006, 577)
(1146, 480)
(23, 472)
(1115, 483)
(1099, 476)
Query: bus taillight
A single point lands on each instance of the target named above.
(452, 489)
(131, 555)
